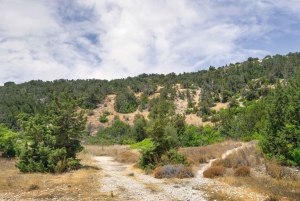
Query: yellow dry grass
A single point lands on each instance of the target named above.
(82, 184)
(266, 178)
(198, 155)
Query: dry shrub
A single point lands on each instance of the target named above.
(218, 162)
(242, 171)
(245, 156)
(190, 161)
(272, 198)
(212, 172)
(205, 153)
(128, 157)
(157, 173)
(274, 170)
(172, 171)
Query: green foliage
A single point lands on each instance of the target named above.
(162, 151)
(160, 108)
(201, 136)
(282, 132)
(8, 142)
(138, 130)
(52, 138)
(116, 133)
(103, 119)
(143, 101)
(146, 143)
(125, 102)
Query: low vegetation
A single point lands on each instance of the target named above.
(173, 171)
(212, 172)
(79, 184)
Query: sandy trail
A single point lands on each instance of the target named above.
(118, 179)
(129, 184)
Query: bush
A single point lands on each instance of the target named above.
(103, 119)
(212, 172)
(106, 113)
(73, 164)
(171, 171)
(143, 144)
(242, 171)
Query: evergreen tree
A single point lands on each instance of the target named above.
(52, 138)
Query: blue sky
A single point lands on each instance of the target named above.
(108, 39)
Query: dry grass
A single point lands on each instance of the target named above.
(212, 172)
(266, 178)
(82, 184)
(112, 151)
(121, 153)
(173, 171)
(128, 157)
(247, 156)
(198, 155)
(282, 189)
(242, 171)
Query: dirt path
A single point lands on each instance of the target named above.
(129, 184)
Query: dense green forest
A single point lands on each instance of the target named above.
(263, 98)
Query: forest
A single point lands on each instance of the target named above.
(44, 123)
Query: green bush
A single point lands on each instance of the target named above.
(73, 164)
(8, 142)
(103, 119)
(146, 143)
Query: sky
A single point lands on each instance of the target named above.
(110, 39)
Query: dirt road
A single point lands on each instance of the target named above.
(128, 184)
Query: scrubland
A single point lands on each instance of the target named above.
(241, 174)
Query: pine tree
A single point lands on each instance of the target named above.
(52, 138)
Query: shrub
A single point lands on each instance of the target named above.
(242, 171)
(212, 172)
(103, 119)
(73, 164)
(106, 113)
(171, 171)
(143, 144)
(274, 170)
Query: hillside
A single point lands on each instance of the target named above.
(248, 79)
(181, 107)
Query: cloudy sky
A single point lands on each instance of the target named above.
(108, 39)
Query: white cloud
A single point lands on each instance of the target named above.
(113, 39)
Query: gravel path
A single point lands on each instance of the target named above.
(128, 184)
(131, 185)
